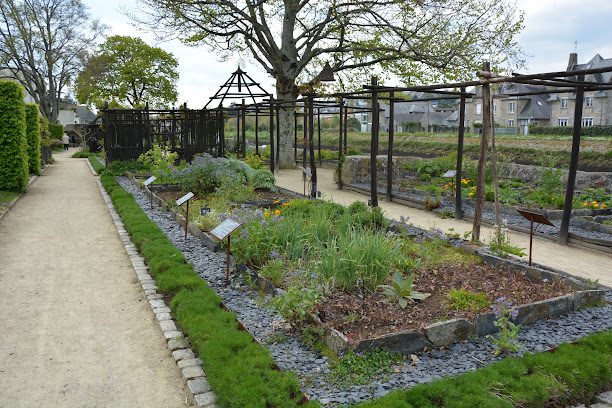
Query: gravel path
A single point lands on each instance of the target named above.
(76, 330)
(312, 369)
(574, 260)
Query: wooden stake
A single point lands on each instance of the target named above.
(187, 220)
(227, 261)
(459, 176)
(482, 159)
(374, 145)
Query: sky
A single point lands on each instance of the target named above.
(553, 29)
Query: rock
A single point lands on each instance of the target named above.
(406, 342)
(485, 324)
(183, 354)
(198, 385)
(587, 298)
(532, 312)
(189, 362)
(336, 341)
(192, 372)
(449, 332)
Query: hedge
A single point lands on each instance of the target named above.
(13, 145)
(570, 375)
(601, 130)
(56, 130)
(33, 137)
(240, 371)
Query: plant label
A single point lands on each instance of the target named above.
(150, 180)
(450, 173)
(184, 198)
(224, 229)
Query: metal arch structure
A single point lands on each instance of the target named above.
(233, 89)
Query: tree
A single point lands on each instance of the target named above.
(43, 44)
(129, 72)
(291, 39)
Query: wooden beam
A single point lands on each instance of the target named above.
(374, 145)
(390, 148)
(459, 176)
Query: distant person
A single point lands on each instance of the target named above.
(66, 141)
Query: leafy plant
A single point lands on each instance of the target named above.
(506, 339)
(13, 143)
(160, 161)
(296, 304)
(274, 270)
(500, 242)
(463, 299)
(312, 336)
(402, 289)
(262, 179)
(358, 369)
(254, 161)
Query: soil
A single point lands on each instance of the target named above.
(376, 316)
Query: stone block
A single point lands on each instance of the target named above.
(189, 362)
(485, 324)
(161, 310)
(449, 332)
(163, 316)
(198, 385)
(587, 298)
(336, 341)
(192, 372)
(167, 325)
(157, 303)
(183, 354)
(177, 343)
(206, 400)
(604, 398)
(172, 334)
(407, 342)
(532, 312)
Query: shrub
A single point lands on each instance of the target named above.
(262, 179)
(274, 270)
(569, 130)
(296, 304)
(56, 131)
(33, 137)
(160, 161)
(13, 144)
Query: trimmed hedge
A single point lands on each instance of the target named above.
(240, 371)
(33, 137)
(600, 130)
(13, 145)
(56, 130)
(571, 374)
(95, 163)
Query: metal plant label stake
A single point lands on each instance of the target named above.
(185, 199)
(147, 183)
(533, 216)
(222, 231)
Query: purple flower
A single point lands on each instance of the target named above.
(274, 254)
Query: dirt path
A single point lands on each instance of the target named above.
(75, 329)
(576, 261)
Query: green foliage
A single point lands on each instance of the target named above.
(600, 130)
(122, 168)
(296, 304)
(360, 369)
(254, 161)
(465, 300)
(402, 290)
(56, 130)
(129, 71)
(506, 338)
(262, 179)
(428, 169)
(13, 143)
(82, 154)
(596, 198)
(313, 337)
(161, 163)
(8, 196)
(573, 373)
(95, 163)
(33, 137)
(274, 271)
(500, 243)
(228, 353)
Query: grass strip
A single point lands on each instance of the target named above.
(569, 375)
(95, 163)
(240, 371)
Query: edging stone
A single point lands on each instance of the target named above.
(190, 367)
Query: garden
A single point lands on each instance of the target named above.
(349, 301)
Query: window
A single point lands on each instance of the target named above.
(562, 122)
(494, 108)
(511, 107)
(588, 100)
(510, 122)
(587, 122)
(564, 103)
(478, 108)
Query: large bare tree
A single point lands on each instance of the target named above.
(414, 39)
(43, 44)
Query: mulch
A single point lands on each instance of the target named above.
(378, 317)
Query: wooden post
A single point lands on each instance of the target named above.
(272, 151)
(244, 146)
(313, 167)
(341, 127)
(187, 220)
(277, 133)
(390, 147)
(305, 137)
(237, 132)
(345, 122)
(374, 146)
(256, 130)
(227, 261)
(571, 176)
(530, 240)
(459, 176)
(319, 132)
(295, 137)
(482, 159)
(340, 155)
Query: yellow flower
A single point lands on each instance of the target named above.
(603, 206)
(277, 212)
(596, 205)
(585, 204)
(284, 204)
(276, 201)
(266, 213)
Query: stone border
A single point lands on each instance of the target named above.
(190, 366)
(93, 171)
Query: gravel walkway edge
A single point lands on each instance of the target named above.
(190, 366)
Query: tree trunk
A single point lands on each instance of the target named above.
(286, 93)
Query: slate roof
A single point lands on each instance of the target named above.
(596, 62)
(536, 108)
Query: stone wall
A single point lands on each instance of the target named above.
(356, 170)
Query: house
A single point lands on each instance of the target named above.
(597, 107)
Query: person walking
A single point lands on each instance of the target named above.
(65, 141)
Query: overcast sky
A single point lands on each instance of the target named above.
(553, 29)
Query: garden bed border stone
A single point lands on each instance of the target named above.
(190, 367)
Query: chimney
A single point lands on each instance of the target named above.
(573, 61)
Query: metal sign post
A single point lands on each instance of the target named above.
(306, 175)
(222, 231)
(533, 216)
(147, 183)
(185, 199)
(451, 174)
